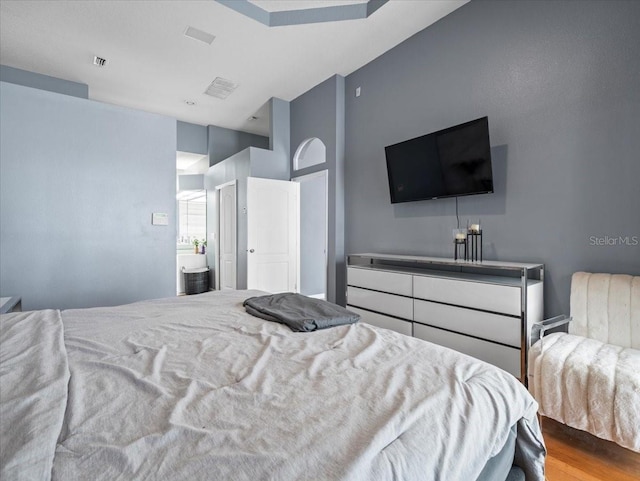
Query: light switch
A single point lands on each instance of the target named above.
(159, 218)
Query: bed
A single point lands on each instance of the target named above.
(195, 388)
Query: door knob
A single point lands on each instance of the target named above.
(251, 251)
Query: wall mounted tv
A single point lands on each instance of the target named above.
(447, 163)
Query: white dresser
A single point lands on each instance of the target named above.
(484, 309)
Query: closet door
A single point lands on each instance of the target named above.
(228, 241)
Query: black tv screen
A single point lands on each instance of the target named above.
(450, 162)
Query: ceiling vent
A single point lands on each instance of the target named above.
(99, 61)
(200, 35)
(221, 88)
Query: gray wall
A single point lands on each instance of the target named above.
(559, 82)
(280, 129)
(75, 206)
(224, 143)
(43, 82)
(320, 113)
(267, 164)
(192, 138)
(191, 182)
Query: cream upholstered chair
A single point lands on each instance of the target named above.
(589, 378)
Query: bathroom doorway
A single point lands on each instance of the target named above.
(191, 208)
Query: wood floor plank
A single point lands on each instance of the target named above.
(557, 470)
(575, 455)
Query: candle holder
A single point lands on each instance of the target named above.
(460, 244)
(474, 236)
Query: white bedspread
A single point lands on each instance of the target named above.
(194, 388)
(33, 393)
(589, 385)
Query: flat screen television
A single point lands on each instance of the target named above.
(451, 162)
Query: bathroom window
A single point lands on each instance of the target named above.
(192, 215)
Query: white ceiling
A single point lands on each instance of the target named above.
(152, 66)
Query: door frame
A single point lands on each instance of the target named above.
(300, 179)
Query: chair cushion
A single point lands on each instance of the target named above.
(606, 307)
(588, 385)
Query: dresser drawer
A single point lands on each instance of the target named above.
(506, 358)
(486, 325)
(386, 322)
(380, 302)
(393, 282)
(479, 295)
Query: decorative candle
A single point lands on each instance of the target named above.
(460, 241)
(459, 234)
(474, 228)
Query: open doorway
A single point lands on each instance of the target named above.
(191, 210)
(314, 217)
(313, 233)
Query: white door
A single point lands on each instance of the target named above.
(228, 245)
(273, 211)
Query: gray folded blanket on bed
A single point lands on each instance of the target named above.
(300, 313)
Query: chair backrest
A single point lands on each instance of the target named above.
(606, 307)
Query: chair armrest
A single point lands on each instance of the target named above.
(539, 328)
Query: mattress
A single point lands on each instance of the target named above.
(195, 388)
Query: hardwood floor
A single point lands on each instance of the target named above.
(574, 455)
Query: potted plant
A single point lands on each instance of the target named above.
(196, 242)
(203, 247)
